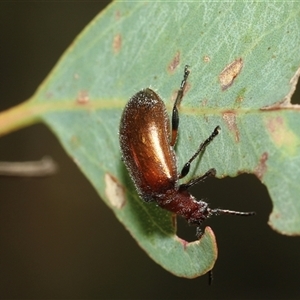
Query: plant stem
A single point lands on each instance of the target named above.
(19, 116)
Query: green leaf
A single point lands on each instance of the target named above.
(244, 60)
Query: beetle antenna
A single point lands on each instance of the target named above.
(218, 212)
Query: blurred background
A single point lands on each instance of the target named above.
(59, 240)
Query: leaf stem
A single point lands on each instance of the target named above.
(18, 117)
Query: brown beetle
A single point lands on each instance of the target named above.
(147, 147)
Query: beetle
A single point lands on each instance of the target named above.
(147, 147)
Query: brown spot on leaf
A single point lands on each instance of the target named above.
(239, 99)
(114, 191)
(277, 106)
(75, 142)
(230, 119)
(184, 243)
(206, 58)
(117, 43)
(274, 124)
(261, 168)
(276, 215)
(229, 73)
(174, 63)
(282, 135)
(204, 102)
(117, 15)
(49, 95)
(83, 97)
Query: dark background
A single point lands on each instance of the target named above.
(59, 240)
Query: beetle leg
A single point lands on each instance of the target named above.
(210, 277)
(185, 186)
(199, 232)
(175, 115)
(186, 168)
